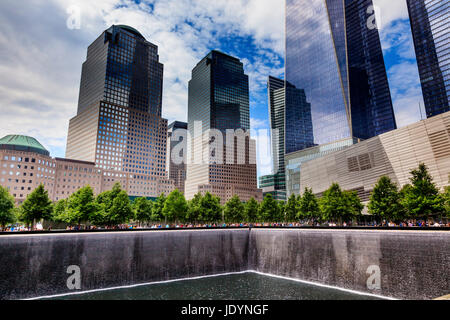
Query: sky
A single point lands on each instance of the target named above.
(44, 43)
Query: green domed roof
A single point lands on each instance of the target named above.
(22, 143)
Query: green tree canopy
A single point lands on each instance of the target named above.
(143, 210)
(354, 205)
(447, 201)
(269, 210)
(7, 208)
(121, 210)
(60, 211)
(251, 211)
(114, 207)
(157, 209)
(36, 207)
(211, 210)
(339, 206)
(281, 211)
(308, 206)
(194, 209)
(175, 207)
(81, 206)
(234, 210)
(385, 201)
(291, 209)
(421, 198)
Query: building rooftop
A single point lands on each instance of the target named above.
(22, 143)
(132, 30)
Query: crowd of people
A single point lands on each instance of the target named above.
(316, 224)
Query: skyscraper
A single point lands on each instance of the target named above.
(335, 56)
(333, 53)
(176, 153)
(291, 130)
(219, 103)
(122, 68)
(430, 24)
(118, 125)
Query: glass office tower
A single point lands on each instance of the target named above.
(291, 130)
(334, 55)
(219, 94)
(430, 24)
(122, 68)
(219, 100)
(118, 125)
(337, 60)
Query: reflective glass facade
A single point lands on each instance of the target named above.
(122, 68)
(430, 23)
(337, 60)
(270, 185)
(219, 94)
(219, 99)
(276, 93)
(119, 124)
(298, 120)
(295, 160)
(291, 125)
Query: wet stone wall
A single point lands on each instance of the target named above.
(33, 266)
(399, 264)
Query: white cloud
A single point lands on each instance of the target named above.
(406, 93)
(257, 124)
(40, 58)
(391, 10)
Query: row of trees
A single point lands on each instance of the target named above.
(420, 199)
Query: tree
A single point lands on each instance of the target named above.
(308, 206)
(194, 209)
(385, 201)
(269, 210)
(60, 211)
(121, 210)
(210, 209)
(114, 207)
(337, 205)
(142, 210)
(175, 207)
(234, 210)
(36, 207)
(422, 198)
(251, 211)
(291, 209)
(281, 217)
(81, 206)
(7, 208)
(105, 202)
(354, 205)
(446, 197)
(157, 209)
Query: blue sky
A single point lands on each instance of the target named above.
(41, 58)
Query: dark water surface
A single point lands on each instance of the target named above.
(248, 286)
